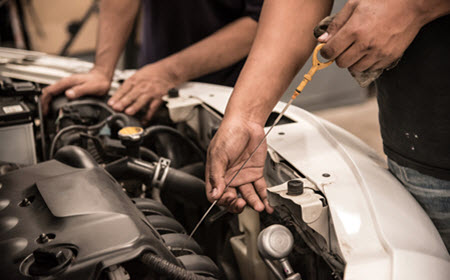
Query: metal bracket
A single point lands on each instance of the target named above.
(161, 172)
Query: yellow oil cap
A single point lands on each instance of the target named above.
(131, 133)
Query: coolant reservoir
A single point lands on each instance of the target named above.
(245, 247)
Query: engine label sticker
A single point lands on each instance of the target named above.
(12, 109)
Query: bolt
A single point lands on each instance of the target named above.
(26, 202)
(43, 238)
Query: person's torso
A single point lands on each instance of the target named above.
(172, 25)
(414, 103)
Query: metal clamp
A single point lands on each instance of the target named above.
(161, 172)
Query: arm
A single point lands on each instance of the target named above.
(115, 22)
(283, 43)
(372, 34)
(223, 48)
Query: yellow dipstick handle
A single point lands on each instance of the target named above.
(316, 65)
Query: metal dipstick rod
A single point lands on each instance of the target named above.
(316, 65)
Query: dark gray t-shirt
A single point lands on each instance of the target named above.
(169, 26)
(414, 103)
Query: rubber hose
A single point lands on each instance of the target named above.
(153, 130)
(60, 133)
(185, 186)
(74, 127)
(172, 271)
(76, 157)
(91, 103)
(148, 154)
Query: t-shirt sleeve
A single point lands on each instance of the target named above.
(253, 8)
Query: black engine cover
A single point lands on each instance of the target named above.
(81, 214)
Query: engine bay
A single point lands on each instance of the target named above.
(88, 193)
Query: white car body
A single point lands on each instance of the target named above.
(380, 231)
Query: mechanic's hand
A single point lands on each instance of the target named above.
(371, 34)
(145, 88)
(231, 146)
(93, 83)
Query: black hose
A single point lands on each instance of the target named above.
(91, 103)
(120, 116)
(154, 130)
(60, 133)
(74, 127)
(148, 154)
(185, 187)
(166, 268)
(76, 157)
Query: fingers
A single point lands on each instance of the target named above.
(87, 88)
(339, 20)
(45, 101)
(249, 194)
(74, 87)
(351, 56)
(338, 28)
(140, 102)
(215, 175)
(337, 44)
(363, 64)
(124, 89)
(152, 108)
(232, 201)
(62, 85)
(55, 89)
(249, 173)
(255, 195)
(237, 205)
(261, 189)
(126, 99)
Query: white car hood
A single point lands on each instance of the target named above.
(382, 231)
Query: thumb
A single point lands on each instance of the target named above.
(84, 89)
(45, 101)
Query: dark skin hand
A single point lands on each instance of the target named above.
(228, 160)
(275, 58)
(144, 89)
(94, 83)
(369, 35)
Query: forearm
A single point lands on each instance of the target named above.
(283, 43)
(219, 50)
(432, 9)
(116, 20)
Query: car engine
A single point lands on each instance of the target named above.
(87, 193)
(90, 193)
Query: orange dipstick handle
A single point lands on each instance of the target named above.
(316, 65)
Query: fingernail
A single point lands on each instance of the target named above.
(259, 207)
(111, 102)
(324, 37)
(129, 111)
(70, 93)
(214, 193)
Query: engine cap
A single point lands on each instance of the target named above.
(275, 242)
(132, 133)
